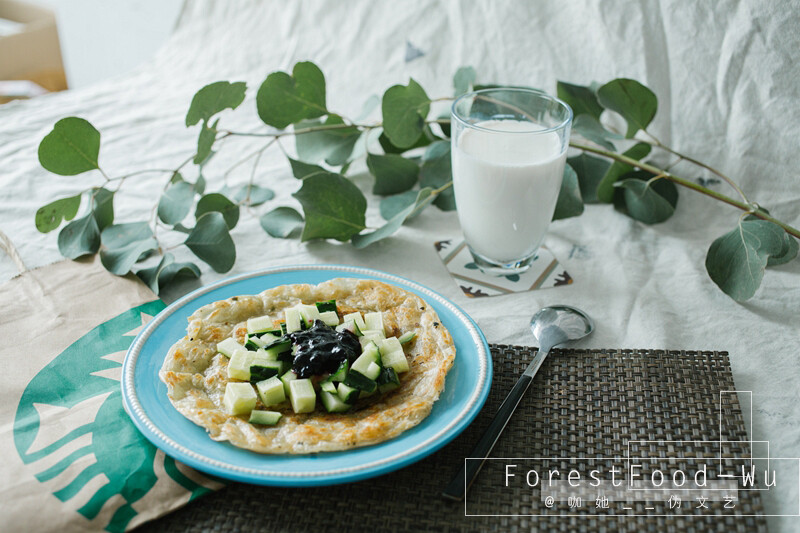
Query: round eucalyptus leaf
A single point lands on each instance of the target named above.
(175, 203)
(252, 194)
(404, 109)
(334, 208)
(569, 203)
(212, 243)
(636, 103)
(166, 271)
(281, 222)
(283, 99)
(214, 98)
(72, 147)
(80, 237)
(219, 203)
(50, 216)
(393, 173)
(582, 100)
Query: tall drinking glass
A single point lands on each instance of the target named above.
(508, 148)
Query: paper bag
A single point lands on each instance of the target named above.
(71, 458)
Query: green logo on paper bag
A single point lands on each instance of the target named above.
(71, 428)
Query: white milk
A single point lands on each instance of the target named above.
(506, 185)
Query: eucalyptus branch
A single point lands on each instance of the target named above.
(748, 207)
(728, 180)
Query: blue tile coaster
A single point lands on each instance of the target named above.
(545, 271)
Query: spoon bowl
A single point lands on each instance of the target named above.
(558, 324)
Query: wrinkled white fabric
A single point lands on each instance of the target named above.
(726, 74)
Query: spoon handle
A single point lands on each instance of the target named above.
(457, 488)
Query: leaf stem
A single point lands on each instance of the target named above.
(745, 206)
(728, 180)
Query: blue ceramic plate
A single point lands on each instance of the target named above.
(145, 396)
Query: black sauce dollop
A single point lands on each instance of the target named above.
(321, 349)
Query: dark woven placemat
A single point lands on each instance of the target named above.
(583, 404)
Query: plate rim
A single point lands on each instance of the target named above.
(225, 469)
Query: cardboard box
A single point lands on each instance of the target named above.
(33, 52)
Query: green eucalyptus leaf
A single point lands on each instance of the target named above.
(216, 202)
(121, 235)
(636, 103)
(72, 147)
(590, 171)
(253, 195)
(425, 139)
(582, 100)
(166, 271)
(789, 251)
(200, 184)
(103, 207)
(205, 141)
(124, 245)
(175, 203)
(570, 203)
(214, 98)
(182, 228)
(648, 200)
(437, 172)
(334, 208)
(393, 173)
(79, 237)
(391, 205)
(590, 128)
(736, 261)
(422, 199)
(463, 80)
(120, 260)
(301, 170)
(404, 109)
(51, 215)
(605, 189)
(283, 99)
(334, 146)
(444, 116)
(212, 243)
(281, 222)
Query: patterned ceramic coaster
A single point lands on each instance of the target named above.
(545, 271)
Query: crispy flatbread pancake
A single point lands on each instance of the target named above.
(196, 375)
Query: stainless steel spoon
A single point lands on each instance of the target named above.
(551, 326)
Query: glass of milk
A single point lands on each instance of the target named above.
(508, 148)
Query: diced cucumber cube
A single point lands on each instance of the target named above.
(262, 369)
(265, 418)
(341, 372)
(309, 312)
(259, 324)
(395, 360)
(373, 371)
(269, 338)
(355, 317)
(293, 320)
(371, 337)
(271, 391)
(359, 381)
(286, 378)
(330, 318)
(254, 342)
(327, 386)
(350, 326)
(273, 351)
(332, 402)
(239, 399)
(392, 344)
(302, 395)
(374, 321)
(407, 337)
(371, 354)
(346, 393)
(329, 305)
(239, 365)
(374, 333)
(228, 346)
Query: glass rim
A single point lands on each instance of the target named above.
(536, 92)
